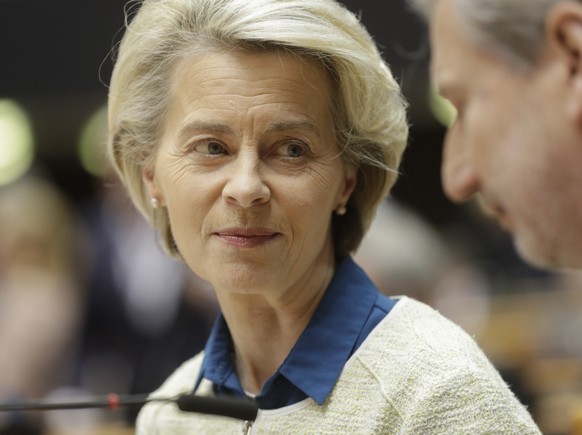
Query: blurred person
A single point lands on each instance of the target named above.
(40, 301)
(513, 70)
(402, 253)
(259, 137)
(144, 313)
(405, 255)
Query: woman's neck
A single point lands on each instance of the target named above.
(264, 329)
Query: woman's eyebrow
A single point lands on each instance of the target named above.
(198, 126)
(293, 125)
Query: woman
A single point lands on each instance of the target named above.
(258, 137)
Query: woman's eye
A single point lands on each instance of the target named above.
(294, 150)
(215, 148)
(210, 147)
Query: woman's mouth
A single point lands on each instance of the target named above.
(246, 237)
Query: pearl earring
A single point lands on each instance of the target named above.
(340, 210)
(155, 203)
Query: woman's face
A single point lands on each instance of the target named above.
(249, 170)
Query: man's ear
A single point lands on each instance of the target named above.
(564, 33)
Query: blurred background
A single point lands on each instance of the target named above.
(89, 304)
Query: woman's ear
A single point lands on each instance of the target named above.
(350, 180)
(149, 180)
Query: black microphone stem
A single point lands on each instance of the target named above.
(111, 401)
(228, 407)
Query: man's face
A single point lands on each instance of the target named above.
(516, 141)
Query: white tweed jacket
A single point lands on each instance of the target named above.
(416, 373)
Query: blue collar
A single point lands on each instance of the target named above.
(338, 326)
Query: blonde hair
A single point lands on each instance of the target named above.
(369, 110)
(37, 214)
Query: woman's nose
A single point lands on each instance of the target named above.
(245, 186)
(459, 177)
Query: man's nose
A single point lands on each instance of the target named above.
(459, 177)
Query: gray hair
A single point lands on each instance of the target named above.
(369, 110)
(512, 28)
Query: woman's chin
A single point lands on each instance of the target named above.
(241, 278)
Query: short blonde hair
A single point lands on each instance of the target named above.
(369, 111)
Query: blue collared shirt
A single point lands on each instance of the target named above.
(347, 313)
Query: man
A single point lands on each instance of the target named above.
(513, 70)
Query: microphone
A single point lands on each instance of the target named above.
(242, 409)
